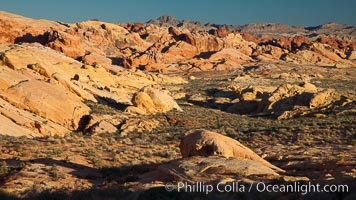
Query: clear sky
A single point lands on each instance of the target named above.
(235, 12)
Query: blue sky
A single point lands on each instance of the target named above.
(297, 12)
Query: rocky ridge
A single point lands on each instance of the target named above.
(167, 49)
(264, 30)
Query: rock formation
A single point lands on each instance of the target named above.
(286, 101)
(208, 143)
(42, 91)
(150, 100)
(171, 48)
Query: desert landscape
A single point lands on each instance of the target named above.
(106, 110)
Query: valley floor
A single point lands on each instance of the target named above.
(110, 166)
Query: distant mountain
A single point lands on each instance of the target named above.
(263, 30)
(167, 21)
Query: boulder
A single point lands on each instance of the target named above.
(210, 168)
(308, 87)
(322, 98)
(103, 127)
(151, 100)
(144, 102)
(208, 143)
(138, 125)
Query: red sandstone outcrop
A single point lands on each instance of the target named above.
(220, 32)
(153, 48)
(290, 43)
(134, 27)
(336, 43)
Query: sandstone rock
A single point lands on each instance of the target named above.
(46, 100)
(290, 43)
(151, 101)
(182, 49)
(210, 168)
(74, 40)
(231, 55)
(198, 98)
(28, 123)
(270, 52)
(327, 52)
(322, 98)
(295, 179)
(38, 58)
(135, 110)
(188, 38)
(220, 32)
(352, 55)
(179, 95)
(138, 125)
(9, 77)
(207, 143)
(144, 102)
(88, 79)
(287, 101)
(103, 127)
(173, 31)
(16, 28)
(153, 48)
(135, 27)
(186, 47)
(251, 38)
(341, 65)
(94, 119)
(8, 127)
(284, 91)
(40, 69)
(308, 87)
(73, 88)
(99, 123)
(319, 115)
(248, 96)
(308, 57)
(192, 78)
(334, 42)
(93, 59)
